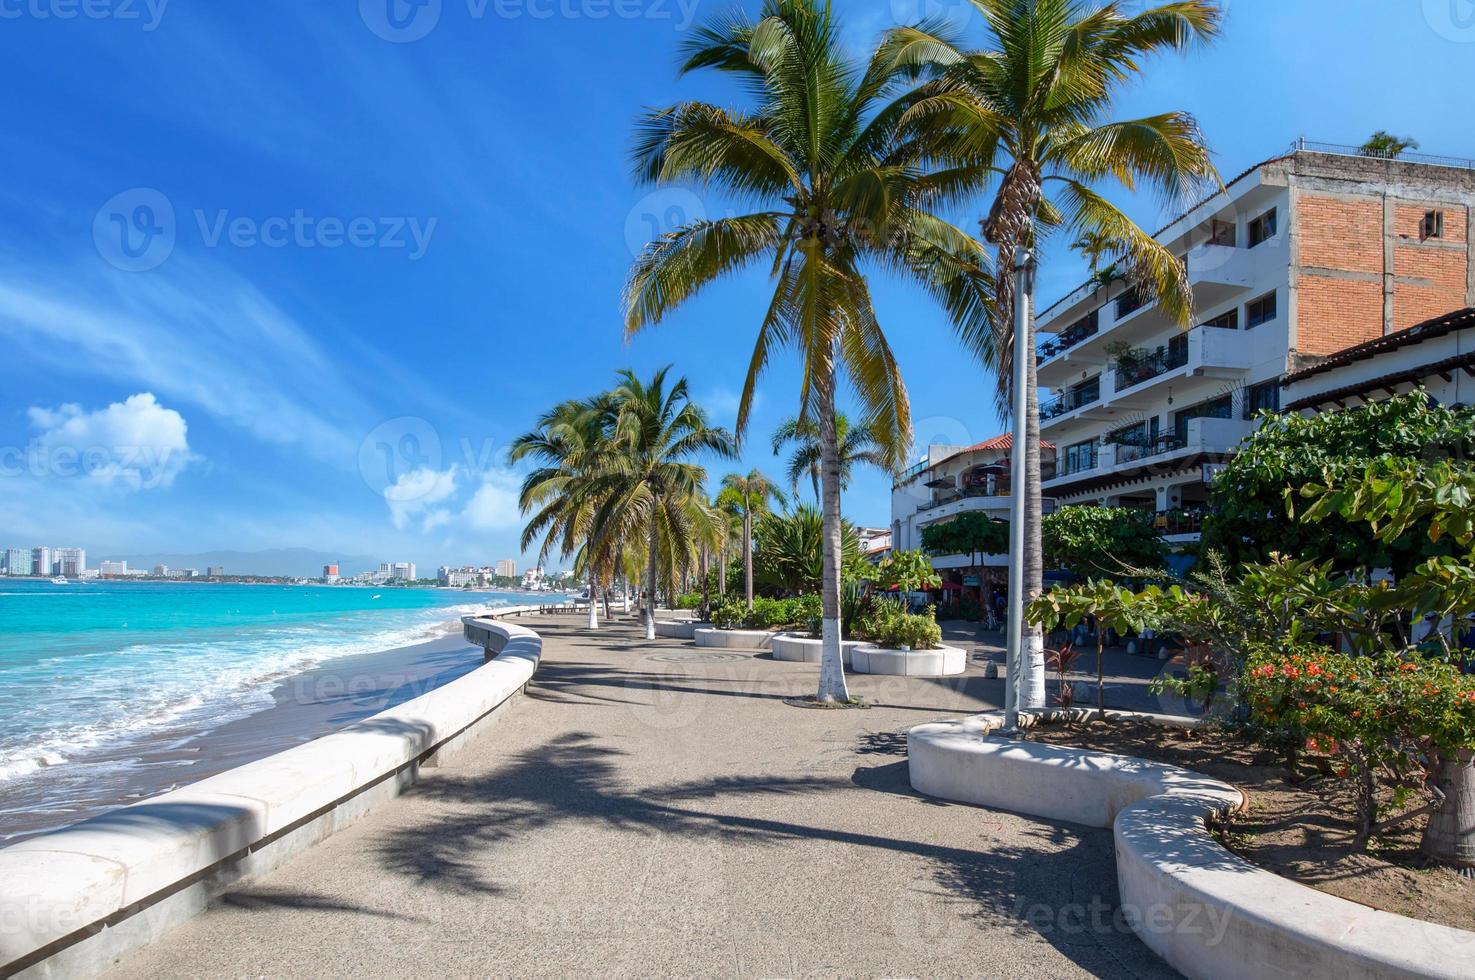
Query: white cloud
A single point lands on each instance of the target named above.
(136, 443)
(417, 492)
(494, 505)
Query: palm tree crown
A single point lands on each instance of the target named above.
(857, 444)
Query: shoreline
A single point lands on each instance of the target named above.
(305, 705)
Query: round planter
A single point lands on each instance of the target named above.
(679, 629)
(806, 650)
(710, 636)
(941, 662)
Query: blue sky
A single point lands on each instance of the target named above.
(361, 263)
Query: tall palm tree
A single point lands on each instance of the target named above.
(835, 193)
(571, 448)
(1029, 118)
(857, 444)
(749, 496)
(651, 480)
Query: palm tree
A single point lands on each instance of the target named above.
(858, 444)
(836, 192)
(792, 549)
(1030, 119)
(650, 483)
(748, 496)
(570, 446)
(1385, 144)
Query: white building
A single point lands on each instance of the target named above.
(71, 562)
(506, 568)
(18, 561)
(533, 578)
(954, 480)
(40, 561)
(1438, 354)
(106, 567)
(1301, 257)
(875, 542)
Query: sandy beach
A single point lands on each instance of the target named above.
(304, 706)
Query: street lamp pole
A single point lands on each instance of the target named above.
(1024, 275)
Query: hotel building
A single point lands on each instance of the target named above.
(1297, 260)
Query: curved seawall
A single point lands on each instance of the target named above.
(75, 899)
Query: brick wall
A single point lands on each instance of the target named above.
(1340, 299)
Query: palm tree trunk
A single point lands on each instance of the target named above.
(1032, 649)
(722, 570)
(748, 553)
(1450, 836)
(650, 582)
(831, 665)
(703, 568)
(593, 604)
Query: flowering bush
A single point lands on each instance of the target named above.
(1379, 718)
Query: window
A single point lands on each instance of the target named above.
(1432, 226)
(1262, 396)
(1260, 311)
(1081, 456)
(1129, 301)
(1262, 228)
(1221, 232)
(1216, 408)
(1225, 321)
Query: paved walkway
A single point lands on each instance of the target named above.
(653, 809)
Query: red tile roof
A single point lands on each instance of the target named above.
(1005, 441)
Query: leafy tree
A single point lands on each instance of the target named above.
(837, 193)
(1385, 144)
(857, 444)
(908, 571)
(1093, 541)
(748, 496)
(1028, 120)
(971, 533)
(790, 551)
(1247, 521)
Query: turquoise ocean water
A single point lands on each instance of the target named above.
(86, 666)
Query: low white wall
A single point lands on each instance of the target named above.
(1206, 911)
(679, 629)
(711, 636)
(807, 650)
(941, 662)
(76, 899)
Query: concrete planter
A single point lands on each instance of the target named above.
(679, 629)
(806, 650)
(99, 889)
(867, 658)
(710, 636)
(1204, 910)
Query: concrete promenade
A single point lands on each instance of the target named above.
(653, 809)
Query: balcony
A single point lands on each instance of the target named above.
(1069, 401)
(1179, 521)
(1082, 330)
(1139, 366)
(996, 504)
(1197, 439)
(1215, 270)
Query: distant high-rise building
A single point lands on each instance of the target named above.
(17, 561)
(404, 570)
(330, 573)
(507, 568)
(71, 562)
(113, 567)
(161, 570)
(216, 571)
(40, 561)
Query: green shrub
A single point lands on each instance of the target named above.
(730, 615)
(888, 624)
(690, 600)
